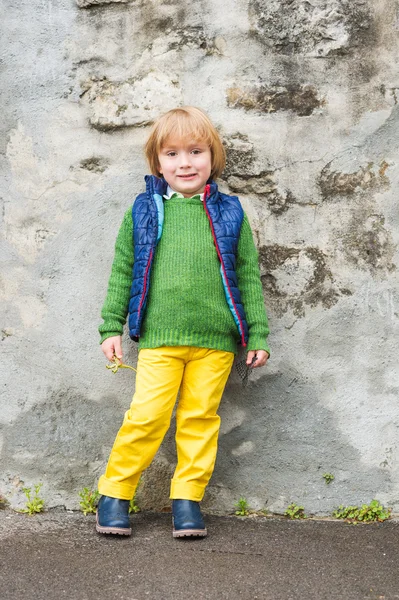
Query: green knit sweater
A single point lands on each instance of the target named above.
(186, 302)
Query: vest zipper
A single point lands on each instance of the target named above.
(241, 332)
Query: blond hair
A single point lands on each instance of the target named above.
(185, 123)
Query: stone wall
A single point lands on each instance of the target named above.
(305, 95)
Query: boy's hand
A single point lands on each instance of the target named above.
(261, 358)
(112, 346)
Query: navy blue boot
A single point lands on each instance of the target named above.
(187, 519)
(113, 516)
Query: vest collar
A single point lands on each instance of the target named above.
(211, 192)
(155, 185)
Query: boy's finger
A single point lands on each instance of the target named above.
(250, 356)
(118, 349)
(108, 351)
(262, 357)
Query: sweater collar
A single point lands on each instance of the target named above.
(170, 193)
(158, 185)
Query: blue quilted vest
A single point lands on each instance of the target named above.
(225, 216)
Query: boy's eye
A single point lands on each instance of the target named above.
(172, 153)
(196, 151)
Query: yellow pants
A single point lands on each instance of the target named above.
(201, 375)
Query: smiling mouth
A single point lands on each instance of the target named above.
(188, 176)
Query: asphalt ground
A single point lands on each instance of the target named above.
(58, 555)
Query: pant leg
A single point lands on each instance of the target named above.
(197, 421)
(159, 375)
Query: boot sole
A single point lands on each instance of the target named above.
(113, 530)
(189, 533)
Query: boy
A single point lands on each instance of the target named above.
(186, 271)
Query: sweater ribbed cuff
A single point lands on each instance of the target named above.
(108, 334)
(257, 343)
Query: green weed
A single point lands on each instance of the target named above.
(294, 511)
(89, 500)
(242, 507)
(366, 513)
(329, 477)
(34, 504)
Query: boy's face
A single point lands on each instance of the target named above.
(186, 165)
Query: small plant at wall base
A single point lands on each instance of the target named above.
(295, 512)
(34, 503)
(242, 507)
(329, 477)
(365, 514)
(3, 502)
(89, 500)
(133, 507)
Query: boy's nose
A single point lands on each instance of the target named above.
(185, 160)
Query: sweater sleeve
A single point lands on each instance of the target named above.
(250, 286)
(116, 305)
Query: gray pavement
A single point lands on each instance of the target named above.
(58, 555)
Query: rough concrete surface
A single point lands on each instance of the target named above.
(59, 555)
(305, 95)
